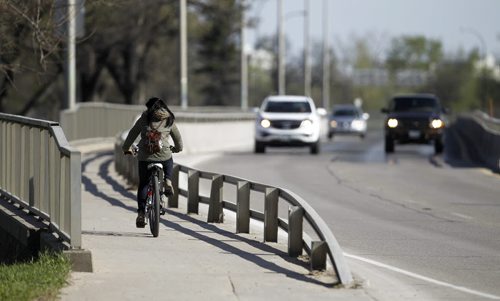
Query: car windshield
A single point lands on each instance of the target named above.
(345, 112)
(414, 104)
(288, 107)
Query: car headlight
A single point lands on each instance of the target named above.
(392, 123)
(357, 124)
(437, 123)
(265, 123)
(333, 123)
(306, 123)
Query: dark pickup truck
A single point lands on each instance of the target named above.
(414, 119)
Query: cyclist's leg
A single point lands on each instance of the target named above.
(168, 167)
(142, 192)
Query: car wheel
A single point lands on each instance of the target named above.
(362, 136)
(260, 147)
(389, 145)
(438, 146)
(314, 148)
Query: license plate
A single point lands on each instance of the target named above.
(414, 134)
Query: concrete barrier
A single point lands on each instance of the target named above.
(481, 135)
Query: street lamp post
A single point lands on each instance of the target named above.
(281, 50)
(326, 58)
(307, 59)
(71, 56)
(183, 54)
(484, 55)
(244, 62)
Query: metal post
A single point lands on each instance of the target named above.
(295, 218)
(271, 215)
(318, 255)
(307, 59)
(193, 188)
(281, 50)
(71, 56)
(326, 58)
(215, 213)
(76, 202)
(244, 62)
(183, 54)
(243, 208)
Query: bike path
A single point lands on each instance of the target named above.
(190, 260)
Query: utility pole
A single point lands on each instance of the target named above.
(183, 54)
(244, 62)
(71, 56)
(307, 60)
(326, 59)
(281, 50)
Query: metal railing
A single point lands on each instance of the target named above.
(41, 173)
(299, 210)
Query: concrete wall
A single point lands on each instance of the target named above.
(481, 138)
(202, 129)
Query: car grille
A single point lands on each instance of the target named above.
(415, 123)
(286, 124)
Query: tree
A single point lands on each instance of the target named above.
(219, 50)
(30, 54)
(413, 52)
(121, 42)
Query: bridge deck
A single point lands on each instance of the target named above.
(190, 260)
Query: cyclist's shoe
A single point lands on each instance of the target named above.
(140, 221)
(162, 207)
(168, 188)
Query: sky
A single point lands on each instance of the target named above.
(457, 23)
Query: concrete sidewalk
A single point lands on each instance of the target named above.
(190, 260)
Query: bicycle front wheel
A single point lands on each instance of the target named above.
(154, 213)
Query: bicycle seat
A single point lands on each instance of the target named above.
(153, 165)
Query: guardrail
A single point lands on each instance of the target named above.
(95, 119)
(481, 135)
(297, 213)
(41, 173)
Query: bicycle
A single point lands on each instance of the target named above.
(154, 201)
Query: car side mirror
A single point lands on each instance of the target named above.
(321, 112)
(366, 116)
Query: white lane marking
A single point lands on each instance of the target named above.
(461, 215)
(424, 278)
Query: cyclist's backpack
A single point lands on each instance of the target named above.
(153, 140)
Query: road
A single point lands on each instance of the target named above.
(428, 223)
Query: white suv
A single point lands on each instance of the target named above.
(288, 121)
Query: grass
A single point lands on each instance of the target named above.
(40, 279)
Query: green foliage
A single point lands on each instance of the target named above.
(40, 279)
(414, 52)
(219, 50)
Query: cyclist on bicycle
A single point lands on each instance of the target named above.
(155, 125)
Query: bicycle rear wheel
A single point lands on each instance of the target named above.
(154, 213)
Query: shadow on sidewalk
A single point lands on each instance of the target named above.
(249, 256)
(103, 173)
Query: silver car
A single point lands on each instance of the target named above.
(347, 119)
